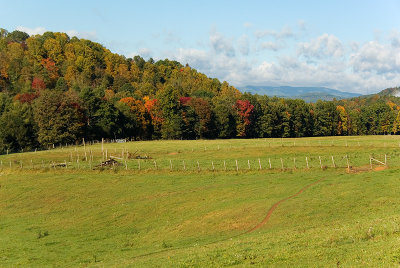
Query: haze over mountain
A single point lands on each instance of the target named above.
(309, 94)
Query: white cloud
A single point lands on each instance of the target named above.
(376, 58)
(194, 57)
(270, 45)
(144, 52)
(286, 32)
(365, 68)
(395, 38)
(243, 44)
(221, 44)
(71, 33)
(323, 46)
(31, 31)
(85, 35)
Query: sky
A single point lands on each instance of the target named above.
(346, 45)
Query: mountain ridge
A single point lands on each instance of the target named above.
(309, 94)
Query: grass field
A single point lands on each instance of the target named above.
(185, 216)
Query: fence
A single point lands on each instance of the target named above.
(88, 160)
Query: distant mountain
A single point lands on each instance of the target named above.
(394, 91)
(309, 94)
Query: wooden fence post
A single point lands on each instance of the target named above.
(259, 163)
(170, 164)
(237, 167)
(269, 161)
(333, 162)
(184, 166)
(248, 163)
(320, 162)
(282, 163)
(307, 162)
(348, 164)
(198, 166)
(212, 163)
(294, 162)
(370, 161)
(224, 165)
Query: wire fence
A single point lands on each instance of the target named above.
(91, 161)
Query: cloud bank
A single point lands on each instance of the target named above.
(279, 58)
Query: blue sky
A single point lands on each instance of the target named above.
(346, 45)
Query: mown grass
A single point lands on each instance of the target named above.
(81, 217)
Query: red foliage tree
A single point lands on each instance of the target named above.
(26, 97)
(50, 67)
(185, 100)
(244, 110)
(38, 84)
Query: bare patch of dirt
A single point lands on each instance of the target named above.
(380, 168)
(173, 153)
(366, 168)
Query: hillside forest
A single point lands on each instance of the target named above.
(55, 89)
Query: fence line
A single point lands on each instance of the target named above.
(93, 161)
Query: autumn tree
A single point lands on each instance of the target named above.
(342, 126)
(244, 111)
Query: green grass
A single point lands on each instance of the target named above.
(161, 218)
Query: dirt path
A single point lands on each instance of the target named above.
(274, 206)
(259, 225)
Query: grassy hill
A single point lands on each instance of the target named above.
(182, 216)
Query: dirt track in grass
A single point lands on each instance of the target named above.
(274, 206)
(259, 225)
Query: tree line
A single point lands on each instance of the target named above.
(55, 90)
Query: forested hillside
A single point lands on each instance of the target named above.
(55, 90)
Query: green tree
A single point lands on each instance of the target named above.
(59, 117)
(17, 128)
(224, 109)
(173, 123)
(325, 118)
(17, 36)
